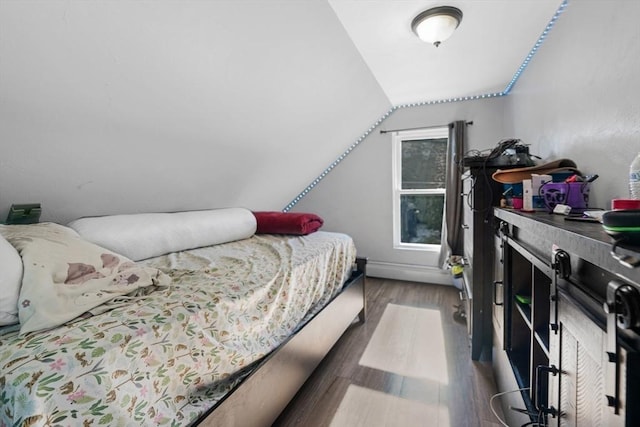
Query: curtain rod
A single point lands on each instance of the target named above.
(428, 127)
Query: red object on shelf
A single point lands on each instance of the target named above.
(625, 204)
(517, 202)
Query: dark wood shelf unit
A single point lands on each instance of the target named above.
(482, 194)
(558, 344)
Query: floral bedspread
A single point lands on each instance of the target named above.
(167, 358)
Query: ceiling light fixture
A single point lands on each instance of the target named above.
(437, 24)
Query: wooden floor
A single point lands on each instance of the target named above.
(408, 365)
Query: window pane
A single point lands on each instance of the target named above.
(421, 218)
(424, 163)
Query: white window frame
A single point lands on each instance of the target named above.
(398, 137)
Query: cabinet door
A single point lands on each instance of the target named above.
(577, 350)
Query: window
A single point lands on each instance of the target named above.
(419, 171)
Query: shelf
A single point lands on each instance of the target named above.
(527, 281)
(525, 311)
(543, 343)
(520, 366)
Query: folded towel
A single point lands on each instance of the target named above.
(298, 223)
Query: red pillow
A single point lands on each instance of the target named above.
(298, 223)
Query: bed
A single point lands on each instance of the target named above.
(222, 333)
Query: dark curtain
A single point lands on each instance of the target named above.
(452, 237)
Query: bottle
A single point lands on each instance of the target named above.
(634, 178)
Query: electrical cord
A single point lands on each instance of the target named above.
(497, 151)
(495, 414)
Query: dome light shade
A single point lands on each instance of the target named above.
(437, 24)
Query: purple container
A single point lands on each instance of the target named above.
(574, 194)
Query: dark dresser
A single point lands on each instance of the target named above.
(566, 322)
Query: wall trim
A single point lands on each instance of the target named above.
(386, 115)
(338, 160)
(409, 272)
(536, 46)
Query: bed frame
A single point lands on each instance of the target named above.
(263, 395)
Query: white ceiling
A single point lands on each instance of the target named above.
(481, 57)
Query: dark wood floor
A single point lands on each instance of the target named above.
(462, 401)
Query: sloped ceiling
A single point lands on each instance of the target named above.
(113, 106)
(481, 57)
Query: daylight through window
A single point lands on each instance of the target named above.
(419, 163)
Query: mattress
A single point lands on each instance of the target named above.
(166, 359)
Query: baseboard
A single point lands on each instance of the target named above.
(409, 272)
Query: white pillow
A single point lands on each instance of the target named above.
(142, 236)
(66, 276)
(10, 281)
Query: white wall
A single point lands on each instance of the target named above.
(579, 96)
(109, 107)
(121, 106)
(356, 197)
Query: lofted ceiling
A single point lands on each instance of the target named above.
(120, 106)
(481, 57)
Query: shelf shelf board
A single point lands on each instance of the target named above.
(525, 312)
(544, 344)
(523, 381)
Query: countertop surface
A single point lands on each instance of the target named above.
(588, 240)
